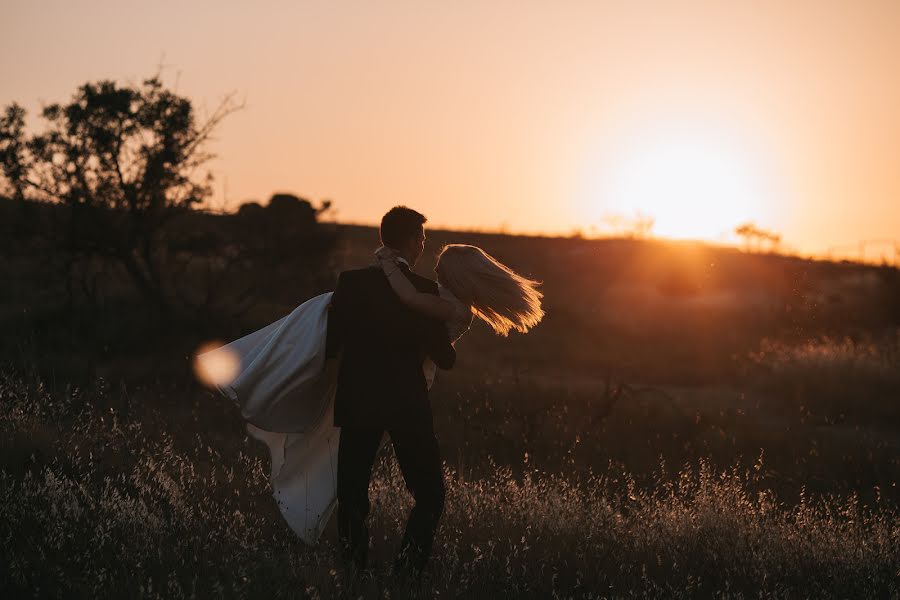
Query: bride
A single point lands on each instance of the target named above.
(285, 387)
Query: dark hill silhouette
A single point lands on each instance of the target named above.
(656, 310)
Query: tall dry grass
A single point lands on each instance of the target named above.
(835, 378)
(98, 502)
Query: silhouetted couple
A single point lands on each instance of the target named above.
(367, 355)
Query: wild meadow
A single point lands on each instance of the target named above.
(104, 495)
(685, 423)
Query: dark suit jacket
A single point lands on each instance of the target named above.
(382, 344)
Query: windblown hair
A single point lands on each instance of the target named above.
(498, 296)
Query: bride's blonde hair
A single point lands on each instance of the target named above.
(499, 296)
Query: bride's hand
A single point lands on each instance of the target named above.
(387, 260)
(384, 253)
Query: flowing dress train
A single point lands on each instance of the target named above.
(287, 397)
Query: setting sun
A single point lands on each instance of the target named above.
(693, 185)
(426, 105)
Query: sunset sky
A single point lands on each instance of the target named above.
(535, 117)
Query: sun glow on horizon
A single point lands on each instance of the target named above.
(693, 186)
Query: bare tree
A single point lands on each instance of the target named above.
(754, 237)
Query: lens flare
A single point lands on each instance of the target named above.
(216, 365)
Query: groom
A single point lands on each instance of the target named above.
(380, 388)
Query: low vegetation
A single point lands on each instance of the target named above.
(106, 496)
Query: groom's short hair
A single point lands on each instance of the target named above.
(400, 224)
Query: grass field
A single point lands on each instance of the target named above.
(687, 421)
(111, 497)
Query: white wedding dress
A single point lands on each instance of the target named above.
(287, 397)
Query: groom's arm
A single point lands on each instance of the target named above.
(435, 338)
(437, 344)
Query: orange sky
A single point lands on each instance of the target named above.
(533, 116)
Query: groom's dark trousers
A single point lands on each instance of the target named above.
(381, 388)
